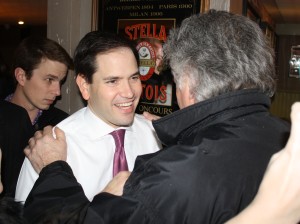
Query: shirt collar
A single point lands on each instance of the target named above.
(98, 128)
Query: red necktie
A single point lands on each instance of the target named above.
(120, 163)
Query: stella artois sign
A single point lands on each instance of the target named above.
(147, 22)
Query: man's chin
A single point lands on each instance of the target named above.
(44, 107)
(126, 121)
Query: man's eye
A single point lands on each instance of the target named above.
(136, 77)
(111, 81)
(49, 80)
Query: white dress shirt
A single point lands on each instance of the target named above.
(91, 150)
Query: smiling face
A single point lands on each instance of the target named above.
(116, 88)
(41, 90)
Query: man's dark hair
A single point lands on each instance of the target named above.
(97, 43)
(32, 50)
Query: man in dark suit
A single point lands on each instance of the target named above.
(40, 67)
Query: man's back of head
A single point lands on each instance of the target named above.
(220, 52)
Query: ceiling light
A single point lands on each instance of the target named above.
(21, 22)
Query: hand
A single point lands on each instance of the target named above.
(116, 185)
(46, 147)
(281, 184)
(150, 117)
(278, 198)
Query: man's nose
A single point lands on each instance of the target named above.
(127, 90)
(56, 89)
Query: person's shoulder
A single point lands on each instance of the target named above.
(57, 111)
(52, 116)
(9, 105)
(141, 122)
(141, 119)
(73, 121)
(53, 113)
(11, 109)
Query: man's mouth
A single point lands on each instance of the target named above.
(124, 104)
(49, 101)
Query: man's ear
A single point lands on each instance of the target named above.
(20, 76)
(192, 99)
(189, 97)
(84, 86)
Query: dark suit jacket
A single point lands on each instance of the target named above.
(52, 117)
(15, 131)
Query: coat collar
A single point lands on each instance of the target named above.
(171, 127)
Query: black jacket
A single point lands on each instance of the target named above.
(16, 129)
(52, 117)
(217, 152)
